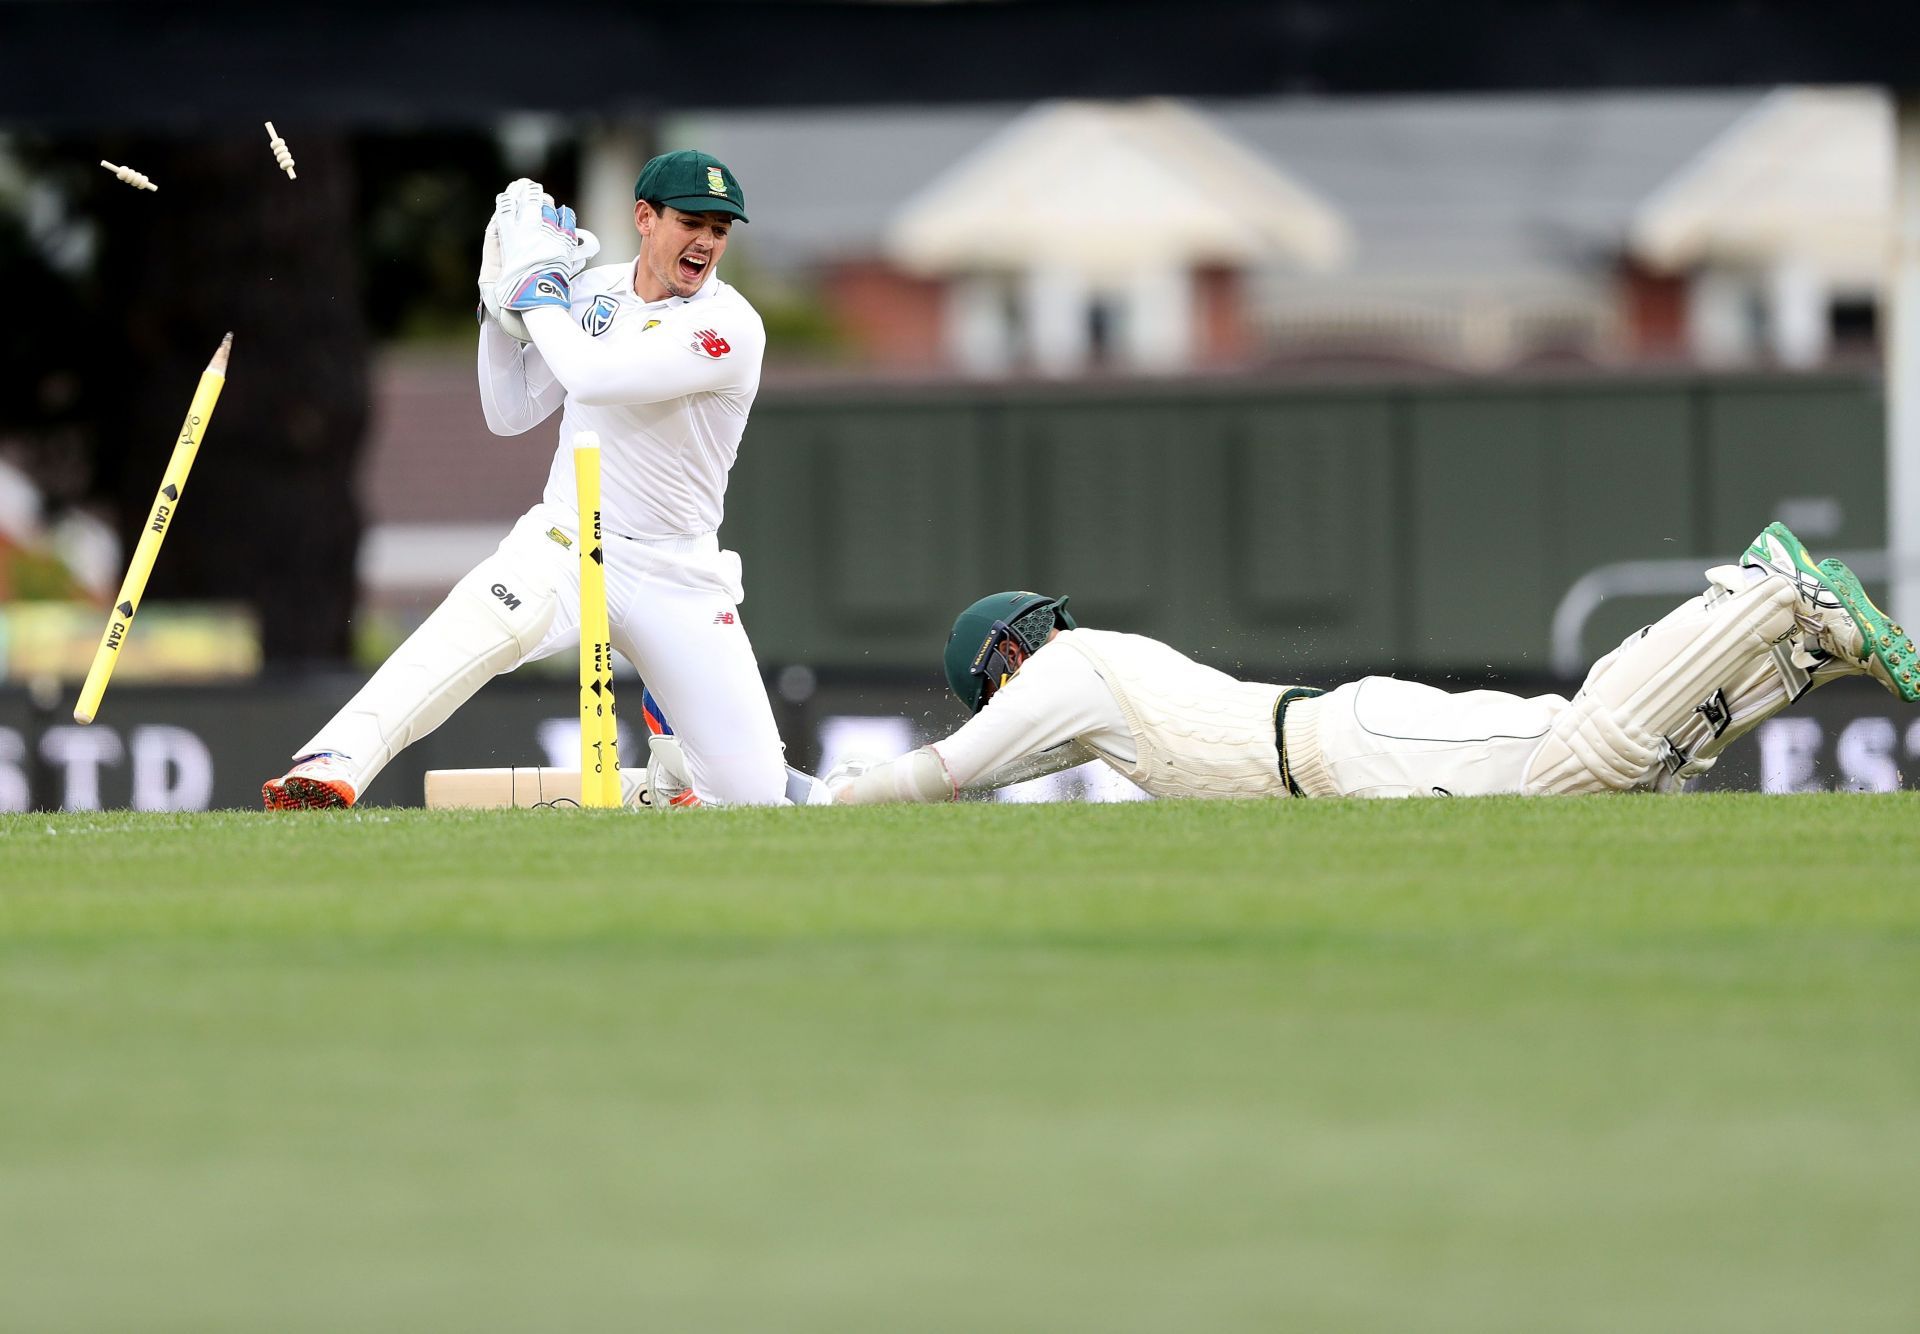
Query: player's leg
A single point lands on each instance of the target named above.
(669, 784)
(1654, 712)
(692, 647)
(1379, 737)
(515, 605)
(1842, 632)
(1663, 706)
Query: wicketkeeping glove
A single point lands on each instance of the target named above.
(538, 249)
(523, 197)
(489, 307)
(668, 782)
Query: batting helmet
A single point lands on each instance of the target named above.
(976, 658)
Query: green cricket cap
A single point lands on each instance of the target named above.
(693, 182)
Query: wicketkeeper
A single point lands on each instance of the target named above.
(1653, 713)
(662, 360)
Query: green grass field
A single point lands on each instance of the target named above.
(1501, 1065)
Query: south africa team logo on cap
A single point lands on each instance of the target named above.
(716, 183)
(599, 316)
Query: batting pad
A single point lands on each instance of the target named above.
(1678, 684)
(493, 618)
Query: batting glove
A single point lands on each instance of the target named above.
(846, 771)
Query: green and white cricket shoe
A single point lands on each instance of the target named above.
(1884, 649)
(1778, 549)
(1846, 633)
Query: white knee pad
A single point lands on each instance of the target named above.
(494, 617)
(1658, 709)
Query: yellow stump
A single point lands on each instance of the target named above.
(599, 726)
(165, 503)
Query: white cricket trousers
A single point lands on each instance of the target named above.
(1379, 737)
(673, 607)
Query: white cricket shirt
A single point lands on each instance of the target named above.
(1176, 727)
(1054, 697)
(666, 384)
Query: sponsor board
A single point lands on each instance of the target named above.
(199, 748)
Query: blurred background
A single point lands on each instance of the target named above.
(1315, 339)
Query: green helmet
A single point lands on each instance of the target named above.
(975, 658)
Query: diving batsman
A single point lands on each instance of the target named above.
(1047, 694)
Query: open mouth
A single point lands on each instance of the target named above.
(693, 267)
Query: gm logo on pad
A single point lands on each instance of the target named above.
(599, 316)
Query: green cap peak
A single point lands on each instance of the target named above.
(693, 182)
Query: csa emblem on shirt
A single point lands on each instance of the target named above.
(599, 316)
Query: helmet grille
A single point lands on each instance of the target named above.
(1034, 626)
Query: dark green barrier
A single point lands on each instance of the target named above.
(1424, 527)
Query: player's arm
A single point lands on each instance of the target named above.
(1041, 710)
(1066, 755)
(517, 390)
(669, 362)
(541, 252)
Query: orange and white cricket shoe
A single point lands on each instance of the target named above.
(319, 782)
